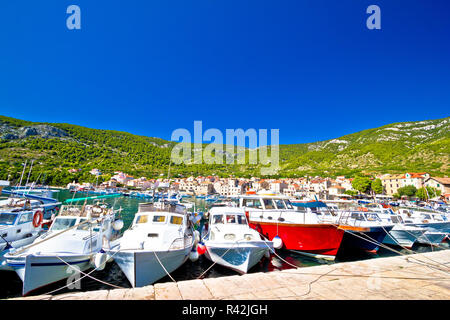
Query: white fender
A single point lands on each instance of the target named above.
(277, 242)
(193, 255)
(100, 261)
(118, 225)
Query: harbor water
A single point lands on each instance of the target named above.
(11, 285)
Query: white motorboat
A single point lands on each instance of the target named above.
(230, 241)
(435, 225)
(401, 234)
(157, 243)
(21, 222)
(71, 245)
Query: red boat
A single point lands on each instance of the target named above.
(304, 229)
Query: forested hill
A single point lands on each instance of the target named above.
(58, 147)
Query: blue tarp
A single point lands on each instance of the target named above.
(313, 204)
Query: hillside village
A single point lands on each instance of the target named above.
(305, 187)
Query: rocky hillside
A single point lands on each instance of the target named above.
(397, 147)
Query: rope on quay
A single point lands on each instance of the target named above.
(400, 253)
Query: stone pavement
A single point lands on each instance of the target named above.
(424, 276)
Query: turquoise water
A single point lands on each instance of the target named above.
(11, 285)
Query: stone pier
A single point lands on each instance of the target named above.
(424, 276)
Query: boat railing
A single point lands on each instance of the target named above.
(178, 243)
(346, 216)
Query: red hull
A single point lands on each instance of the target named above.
(316, 239)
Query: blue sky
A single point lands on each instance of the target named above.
(309, 68)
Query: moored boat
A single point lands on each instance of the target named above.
(230, 241)
(74, 239)
(300, 230)
(157, 243)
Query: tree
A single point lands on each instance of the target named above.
(407, 191)
(351, 192)
(377, 186)
(428, 193)
(362, 184)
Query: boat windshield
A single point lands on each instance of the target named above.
(217, 218)
(235, 219)
(63, 223)
(7, 218)
(252, 203)
(372, 217)
(87, 226)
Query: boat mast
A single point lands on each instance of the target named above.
(23, 172)
(29, 173)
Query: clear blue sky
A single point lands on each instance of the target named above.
(309, 68)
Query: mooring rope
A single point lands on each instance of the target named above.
(369, 239)
(214, 263)
(84, 276)
(154, 252)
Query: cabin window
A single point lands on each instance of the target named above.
(8, 218)
(241, 219)
(268, 204)
(27, 217)
(231, 218)
(372, 217)
(280, 204)
(357, 216)
(252, 203)
(176, 220)
(218, 218)
(142, 219)
(63, 223)
(159, 218)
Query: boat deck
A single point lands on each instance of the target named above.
(393, 278)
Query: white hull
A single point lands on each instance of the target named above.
(432, 238)
(38, 271)
(239, 257)
(15, 244)
(405, 238)
(434, 226)
(143, 268)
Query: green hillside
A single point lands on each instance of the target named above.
(56, 148)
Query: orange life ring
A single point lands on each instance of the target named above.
(37, 218)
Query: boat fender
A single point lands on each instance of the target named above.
(277, 242)
(100, 261)
(118, 225)
(267, 254)
(193, 255)
(196, 237)
(201, 249)
(38, 217)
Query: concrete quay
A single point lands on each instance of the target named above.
(424, 276)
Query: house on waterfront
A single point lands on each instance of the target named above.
(442, 184)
